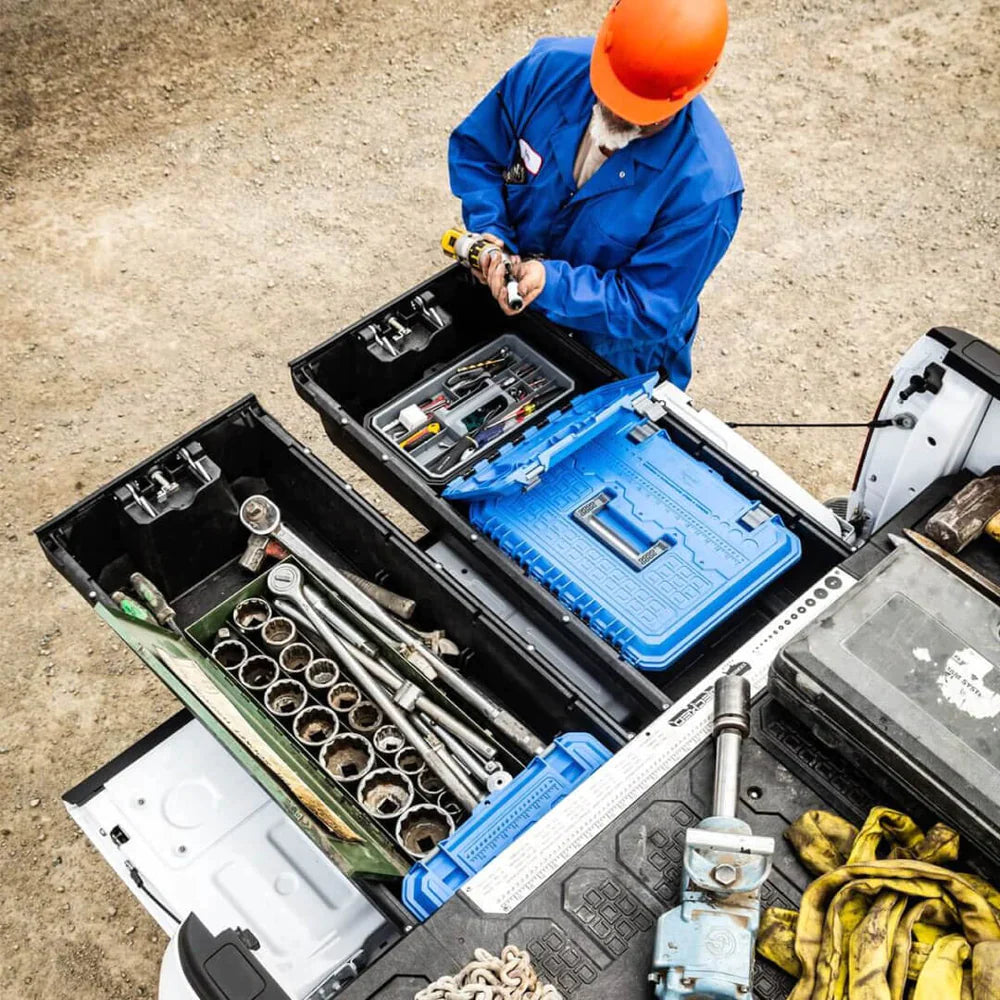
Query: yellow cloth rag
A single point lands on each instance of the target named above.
(885, 920)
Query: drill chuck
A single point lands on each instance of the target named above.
(471, 250)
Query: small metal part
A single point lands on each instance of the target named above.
(409, 761)
(425, 305)
(365, 717)
(165, 487)
(343, 697)
(385, 793)
(285, 698)
(258, 673)
(321, 675)
(498, 780)
(254, 554)
(146, 507)
(295, 658)
(230, 654)
(196, 465)
(421, 828)
(447, 802)
(315, 725)
(429, 783)
(278, 632)
(400, 329)
(348, 757)
(251, 613)
(388, 740)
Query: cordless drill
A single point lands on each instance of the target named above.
(472, 250)
(705, 947)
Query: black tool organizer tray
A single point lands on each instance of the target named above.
(480, 394)
(193, 556)
(590, 926)
(344, 384)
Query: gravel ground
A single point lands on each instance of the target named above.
(194, 192)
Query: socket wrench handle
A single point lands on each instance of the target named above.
(263, 517)
(731, 727)
(286, 580)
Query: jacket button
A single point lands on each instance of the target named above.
(622, 175)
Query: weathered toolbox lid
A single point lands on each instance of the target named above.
(519, 465)
(649, 546)
(905, 670)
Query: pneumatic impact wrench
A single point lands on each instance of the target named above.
(705, 947)
(471, 250)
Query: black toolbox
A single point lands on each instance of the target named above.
(192, 552)
(345, 383)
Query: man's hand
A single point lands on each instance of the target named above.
(530, 278)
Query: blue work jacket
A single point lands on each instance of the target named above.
(626, 255)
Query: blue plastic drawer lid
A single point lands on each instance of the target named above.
(500, 819)
(649, 546)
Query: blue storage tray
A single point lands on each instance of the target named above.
(649, 546)
(500, 819)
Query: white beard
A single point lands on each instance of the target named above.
(608, 133)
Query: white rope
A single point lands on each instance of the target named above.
(509, 977)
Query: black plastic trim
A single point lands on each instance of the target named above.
(83, 792)
(232, 962)
(970, 356)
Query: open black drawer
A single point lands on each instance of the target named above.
(343, 382)
(192, 553)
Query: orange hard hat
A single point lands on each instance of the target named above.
(652, 57)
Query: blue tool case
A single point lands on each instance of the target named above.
(649, 546)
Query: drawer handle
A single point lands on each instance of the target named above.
(588, 515)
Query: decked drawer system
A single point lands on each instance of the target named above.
(595, 856)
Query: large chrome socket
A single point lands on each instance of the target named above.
(252, 613)
(409, 761)
(230, 654)
(385, 793)
(388, 740)
(321, 675)
(295, 658)
(421, 828)
(315, 725)
(365, 717)
(347, 758)
(258, 673)
(285, 698)
(343, 697)
(276, 633)
(429, 783)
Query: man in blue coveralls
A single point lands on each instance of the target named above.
(600, 167)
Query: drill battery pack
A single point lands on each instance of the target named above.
(901, 677)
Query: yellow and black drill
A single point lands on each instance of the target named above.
(471, 250)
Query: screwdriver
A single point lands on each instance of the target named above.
(153, 598)
(418, 436)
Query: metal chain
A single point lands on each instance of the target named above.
(509, 977)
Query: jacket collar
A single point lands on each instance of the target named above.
(619, 170)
